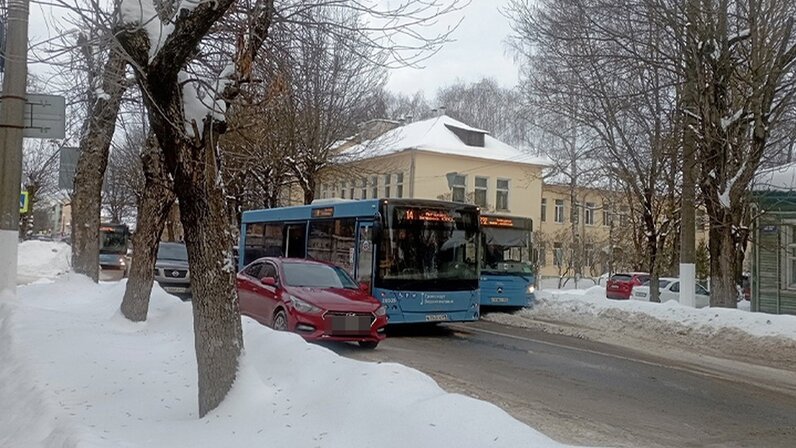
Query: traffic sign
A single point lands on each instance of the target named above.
(24, 202)
(68, 165)
(45, 116)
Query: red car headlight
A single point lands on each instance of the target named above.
(302, 306)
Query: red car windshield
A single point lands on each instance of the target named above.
(305, 275)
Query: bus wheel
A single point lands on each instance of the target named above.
(370, 345)
(280, 321)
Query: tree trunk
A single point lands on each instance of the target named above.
(723, 292)
(309, 191)
(217, 328)
(94, 146)
(154, 206)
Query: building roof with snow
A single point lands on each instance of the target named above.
(780, 179)
(443, 135)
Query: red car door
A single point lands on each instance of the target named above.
(265, 296)
(245, 285)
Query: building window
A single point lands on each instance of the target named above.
(387, 185)
(374, 187)
(589, 214)
(502, 195)
(588, 253)
(575, 212)
(458, 188)
(606, 214)
(343, 188)
(544, 210)
(558, 254)
(399, 185)
(559, 213)
(541, 257)
(351, 190)
(364, 189)
(480, 191)
(623, 215)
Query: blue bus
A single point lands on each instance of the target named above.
(418, 257)
(507, 276)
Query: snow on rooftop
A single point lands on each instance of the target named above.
(781, 178)
(434, 135)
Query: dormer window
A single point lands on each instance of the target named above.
(468, 136)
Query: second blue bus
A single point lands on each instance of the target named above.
(419, 257)
(507, 277)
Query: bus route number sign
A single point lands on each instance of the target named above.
(326, 212)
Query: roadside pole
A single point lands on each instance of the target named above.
(687, 208)
(12, 109)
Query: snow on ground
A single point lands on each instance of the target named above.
(76, 373)
(42, 260)
(592, 302)
(718, 331)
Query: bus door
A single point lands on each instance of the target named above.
(365, 253)
(295, 240)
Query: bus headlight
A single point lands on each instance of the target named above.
(531, 289)
(381, 311)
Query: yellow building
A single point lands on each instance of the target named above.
(595, 225)
(439, 158)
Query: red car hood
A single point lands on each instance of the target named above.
(337, 299)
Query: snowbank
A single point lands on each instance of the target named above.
(76, 373)
(592, 302)
(756, 337)
(42, 260)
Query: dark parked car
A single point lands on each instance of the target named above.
(171, 269)
(317, 300)
(620, 286)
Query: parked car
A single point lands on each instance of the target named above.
(619, 286)
(317, 300)
(171, 269)
(670, 290)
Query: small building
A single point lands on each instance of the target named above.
(773, 241)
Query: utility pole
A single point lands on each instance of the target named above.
(687, 208)
(12, 109)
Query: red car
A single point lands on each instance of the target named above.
(620, 286)
(317, 300)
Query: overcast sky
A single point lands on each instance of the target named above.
(479, 51)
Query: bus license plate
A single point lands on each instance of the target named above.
(436, 317)
(499, 299)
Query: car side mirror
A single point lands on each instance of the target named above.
(364, 287)
(268, 281)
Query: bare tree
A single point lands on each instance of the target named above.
(486, 105)
(186, 100)
(39, 178)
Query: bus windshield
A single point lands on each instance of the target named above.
(113, 240)
(428, 248)
(506, 251)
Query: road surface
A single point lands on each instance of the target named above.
(584, 392)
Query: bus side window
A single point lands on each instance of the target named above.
(273, 240)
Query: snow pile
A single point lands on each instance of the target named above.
(42, 260)
(766, 338)
(76, 373)
(435, 135)
(592, 302)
